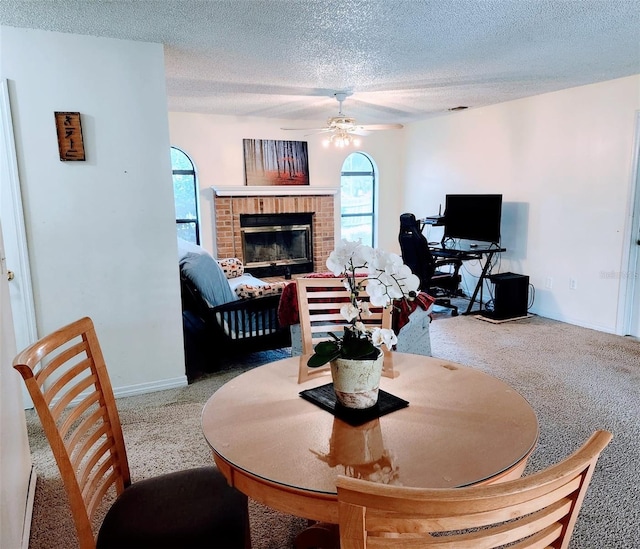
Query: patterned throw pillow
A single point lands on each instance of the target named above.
(245, 291)
(232, 267)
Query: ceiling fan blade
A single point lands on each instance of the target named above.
(304, 129)
(346, 124)
(317, 131)
(368, 127)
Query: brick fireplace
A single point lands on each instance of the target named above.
(231, 202)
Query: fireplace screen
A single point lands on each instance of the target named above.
(285, 245)
(277, 244)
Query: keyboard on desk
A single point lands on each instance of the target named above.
(462, 253)
(455, 254)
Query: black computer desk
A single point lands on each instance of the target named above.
(466, 252)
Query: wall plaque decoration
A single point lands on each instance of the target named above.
(70, 143)
(273, 162)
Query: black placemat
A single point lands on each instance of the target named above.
(325, 397)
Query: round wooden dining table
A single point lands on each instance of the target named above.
(461, 427)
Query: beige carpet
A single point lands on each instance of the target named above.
(577, 380)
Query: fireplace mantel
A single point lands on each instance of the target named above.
(274, 190)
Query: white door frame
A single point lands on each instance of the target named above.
(15, 236)
(630, 283)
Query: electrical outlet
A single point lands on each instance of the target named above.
(573, 284)
(548, 283)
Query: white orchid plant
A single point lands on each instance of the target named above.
(387, 279)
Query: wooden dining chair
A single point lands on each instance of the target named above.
(66, 376)
(319, 302)
(537, 511)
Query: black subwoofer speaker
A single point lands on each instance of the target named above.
(511, 295)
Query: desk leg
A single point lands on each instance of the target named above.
(483, 275)
(319, 535)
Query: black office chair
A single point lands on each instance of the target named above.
(440, 284)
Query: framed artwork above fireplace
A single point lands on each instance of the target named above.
(274, 162)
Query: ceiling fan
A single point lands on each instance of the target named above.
(342, 130)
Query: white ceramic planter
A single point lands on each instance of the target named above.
(356, 382)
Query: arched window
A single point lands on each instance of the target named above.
(357, 199)
(185, 192)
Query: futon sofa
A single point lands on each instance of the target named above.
(225, 310)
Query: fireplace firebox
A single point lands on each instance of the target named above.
(277, 244)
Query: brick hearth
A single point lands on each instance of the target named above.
(230, 202)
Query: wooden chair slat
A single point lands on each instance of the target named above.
(54, 362)
(438, 521)
(328, 323)
(507, 533)
(325, 305)
(91, 453)
(96, 475)
(84, 426)
(72, 393)
(532, 512)
(541, 540)
(101, 485)
(81, 408)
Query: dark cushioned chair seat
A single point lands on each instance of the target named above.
(188, 509)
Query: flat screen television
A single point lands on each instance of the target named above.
(473, 217)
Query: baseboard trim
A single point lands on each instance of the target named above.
(28, 512)
(152, 387)
(575, 322)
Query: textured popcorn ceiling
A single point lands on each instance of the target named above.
(403, 60)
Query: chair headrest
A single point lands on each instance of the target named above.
(408, 222)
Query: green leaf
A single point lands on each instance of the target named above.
(320, 360)
(358, 348)
(324, 352)
(327, 348)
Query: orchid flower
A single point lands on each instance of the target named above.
(388, 279)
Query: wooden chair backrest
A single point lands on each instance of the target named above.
(67, 368)
(319, 302)
(536, 511)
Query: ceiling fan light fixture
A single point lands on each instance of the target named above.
(340, 139)
(342, 131)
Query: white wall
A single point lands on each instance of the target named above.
(101, 233)
(214, 143)
(563, 163)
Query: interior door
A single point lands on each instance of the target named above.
(15, 456)
(15, 257)
(632, 295)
